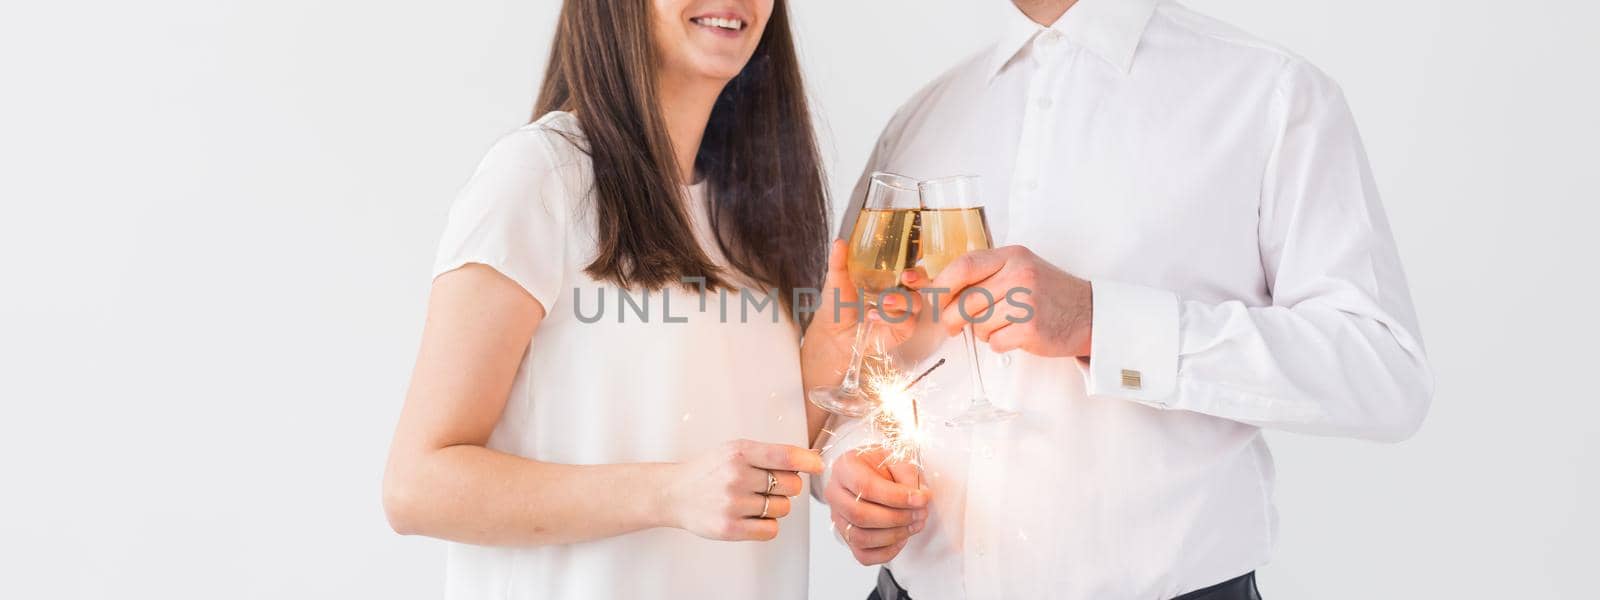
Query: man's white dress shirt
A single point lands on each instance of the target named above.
(1214, 189)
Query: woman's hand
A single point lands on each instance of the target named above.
(721, 494)
(877, 505)
(826, 351)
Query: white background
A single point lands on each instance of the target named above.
(218, 218)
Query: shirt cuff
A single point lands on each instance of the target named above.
(1133, 348)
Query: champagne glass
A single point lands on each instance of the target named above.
(953, 224)
(881, 246)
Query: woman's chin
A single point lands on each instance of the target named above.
(720, 68)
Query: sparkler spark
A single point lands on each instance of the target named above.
(897, 416)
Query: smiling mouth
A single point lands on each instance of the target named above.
(719, 23)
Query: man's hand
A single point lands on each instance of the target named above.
(875, 508)
(1035, 306)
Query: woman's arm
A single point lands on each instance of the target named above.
(443, 482)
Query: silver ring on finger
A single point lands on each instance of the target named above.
(772, 482)
(847, 527)
(766, 503)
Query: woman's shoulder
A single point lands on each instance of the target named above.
(558, 122)
(550, 144)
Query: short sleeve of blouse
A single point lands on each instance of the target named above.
(512, 216)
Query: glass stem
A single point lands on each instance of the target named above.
(852, 376)
(970, 342)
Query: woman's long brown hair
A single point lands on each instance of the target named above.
(759, 158)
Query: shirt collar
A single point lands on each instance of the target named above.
(1110, 29)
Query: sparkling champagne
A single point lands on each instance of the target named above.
(883, 244)
(947, 233)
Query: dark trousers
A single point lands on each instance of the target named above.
(1242, 587)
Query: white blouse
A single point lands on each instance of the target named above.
(622, 388)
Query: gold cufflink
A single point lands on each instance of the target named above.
(1130, 379)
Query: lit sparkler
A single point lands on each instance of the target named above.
(897, 417)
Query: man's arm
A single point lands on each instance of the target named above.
(1336, 353)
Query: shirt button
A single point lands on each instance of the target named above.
(1030, 185)
(988, 451)
(1045, 103)
(1005, 359)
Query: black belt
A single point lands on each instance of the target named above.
(1242, 587)
(888, 588)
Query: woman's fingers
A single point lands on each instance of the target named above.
(898, 304)
(777, 507)
(873, 546)
(906, 473)
(778, 457)
(756, 530)
(746, 521)
(867, 538)
(739, 490)
(862, 480)
(875, 532)
(878, 556)
(865, 513)
(784, 483)
(899, 312)
(838, 263)
(838, 278)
